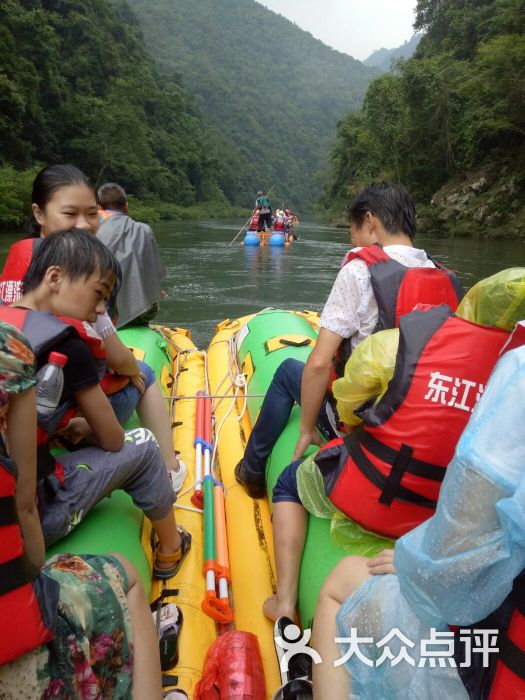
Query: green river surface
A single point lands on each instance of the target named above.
(208, 280)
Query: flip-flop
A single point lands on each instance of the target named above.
(168, 626)
(176, 558)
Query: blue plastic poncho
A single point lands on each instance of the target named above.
(459, 566)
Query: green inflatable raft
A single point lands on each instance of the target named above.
(115, 524)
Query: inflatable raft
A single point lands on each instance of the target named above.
(236, 372)
(115, 525)
(252, 348)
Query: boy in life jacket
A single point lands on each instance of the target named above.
(63, 198)
(464, 565)
(373, 288)
(406, 397)
(73, 276)
(42, 602)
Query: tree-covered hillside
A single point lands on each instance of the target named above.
(271, 89)
(77, 84)
(450, 122)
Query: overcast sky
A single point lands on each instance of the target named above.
(356, 27)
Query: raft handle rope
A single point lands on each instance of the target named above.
(183, 355)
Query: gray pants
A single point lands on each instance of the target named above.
(91, 474)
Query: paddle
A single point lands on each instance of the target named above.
(248, 221)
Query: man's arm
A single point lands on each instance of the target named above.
(316, 377)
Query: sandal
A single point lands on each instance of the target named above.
(168, 619)
(176, 558)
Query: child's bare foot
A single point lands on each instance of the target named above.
(274, 608)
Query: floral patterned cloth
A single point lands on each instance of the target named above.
(91, 657)
(17, 366)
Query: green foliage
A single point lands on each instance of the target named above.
(272, 91)
(456, 105)
(77, 85)
(15, 195)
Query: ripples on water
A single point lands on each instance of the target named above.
(208, 281)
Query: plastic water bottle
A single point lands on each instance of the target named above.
(50, 383)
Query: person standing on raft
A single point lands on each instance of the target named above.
(263, 206)
(133, 244)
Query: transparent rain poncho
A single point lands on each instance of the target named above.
(459, 566)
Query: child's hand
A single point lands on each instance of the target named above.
(138, 381)
(383, 563)
(75, 430)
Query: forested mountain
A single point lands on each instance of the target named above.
(382, 58)
(270, 88)
(449, 122)
(76, 84)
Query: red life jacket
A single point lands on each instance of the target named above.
(398, 289)
(26, 605)
(44, 331)
(109, 381)
(15, 268)
(509, 678)
(387, 475)
(278, 224)
(254, 222)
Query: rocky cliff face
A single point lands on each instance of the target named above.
(487, 202)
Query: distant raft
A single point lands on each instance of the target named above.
(275, 239)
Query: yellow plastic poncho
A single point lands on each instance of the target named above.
(496, 301)
(367, 374)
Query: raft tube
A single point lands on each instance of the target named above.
(276, 240)
(115, 525)
(254, 347)
(251, 239)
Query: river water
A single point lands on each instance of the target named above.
(208, 280)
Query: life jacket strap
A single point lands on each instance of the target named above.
(387, 454)
(8, 513)
(512, 657)
(518, 596)
(401, 462)
(16, 573)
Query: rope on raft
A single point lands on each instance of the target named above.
(181, 397)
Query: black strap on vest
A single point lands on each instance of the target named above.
(509, 653)
(8, 513)
(401, 462)
(512, 657)
(16, 573)
(518, 596)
